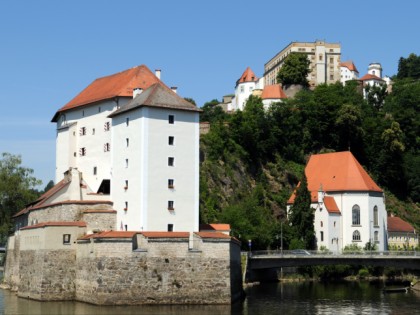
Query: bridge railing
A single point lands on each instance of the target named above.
(324, 253)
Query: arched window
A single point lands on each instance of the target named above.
(322, 224)
(376, 236)
(375, 216)
(356, 215)
(356, 235)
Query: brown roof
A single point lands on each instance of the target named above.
(215, 227)
(166, 234)
(349, 65)
(247, 76)
(338, 171)
(212, 235)
(396, 224)
(331, 205)
(120, 84)
(51, 223)
(110, 234)
(273, 92)
(158, 95)
(369, 76)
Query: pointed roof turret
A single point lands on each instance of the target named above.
(247, 76)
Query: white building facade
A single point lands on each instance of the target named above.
(142, 152)
(349, 206)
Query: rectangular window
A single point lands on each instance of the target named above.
(170, 205)
(82, 151)
(331, 60)
(170, 227)
(66, 238)
(171, 140)
(107, 126)
(126, 206)
(171, 161)
(322, 236)
(95, 170)
(127, 142)
(126, 163)
(99, 109)
(107, 147)
(127, 121)
(320, 57)
(171, 119)
(93, 131)
(126, 184)
(331, 77)
(82, 131)
(170, 183)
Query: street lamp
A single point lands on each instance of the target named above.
(250, 245)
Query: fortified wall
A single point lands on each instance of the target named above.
(124, 268)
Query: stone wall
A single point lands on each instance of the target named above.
(47, 274)
(11, 267)
(100, 221)
(166, 272)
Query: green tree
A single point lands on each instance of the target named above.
(17, 188)
(212, 112)
(295, 70)
(349, 126)
(409, 67)
(49, 186)
(376, 95)
(189, 99)
(302, 215)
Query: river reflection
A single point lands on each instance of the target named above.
(281, 298)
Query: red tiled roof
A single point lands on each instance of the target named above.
(349, 65)
(338, 171)
(273, 92)
(212, 235)
(120, 84)
(247, 76)
(51, 223)
(368, 77)
(82, 202)
(166, 234)
(110, 234)
(331, 205)
(215, 227)
(396, 224)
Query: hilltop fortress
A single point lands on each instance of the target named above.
(121, 225)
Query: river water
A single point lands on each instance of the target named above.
(279, 298)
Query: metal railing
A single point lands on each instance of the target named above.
(325, 253)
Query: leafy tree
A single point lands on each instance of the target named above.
(212, 112)
(349, 126)
(376, 95)
(295, 70)
(49, 186)
(17, 188)
(409, 67)
(302, 215)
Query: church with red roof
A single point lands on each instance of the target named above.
(349, 206)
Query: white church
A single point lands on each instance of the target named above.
(349, 205)
(136, 142)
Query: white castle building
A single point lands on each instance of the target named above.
(136, 141)
(349, 205)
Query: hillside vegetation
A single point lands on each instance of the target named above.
(253, 159)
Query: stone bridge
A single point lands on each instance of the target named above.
(263, 265)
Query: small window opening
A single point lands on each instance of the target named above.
(171, 119)
(170, 227)
(66, 238)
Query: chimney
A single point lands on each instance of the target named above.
(157, 73)
(137, 91)
(174, 89)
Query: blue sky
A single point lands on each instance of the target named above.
(51, 50)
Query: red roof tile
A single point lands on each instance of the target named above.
(166, 234)
(349, 65)
(339, 171)
(368, 77)
(120, 84)
(396, 224)
(215, 227)
(331, 205)
(247, 76)
(212, 235)
(273, 92)
(51, 223)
